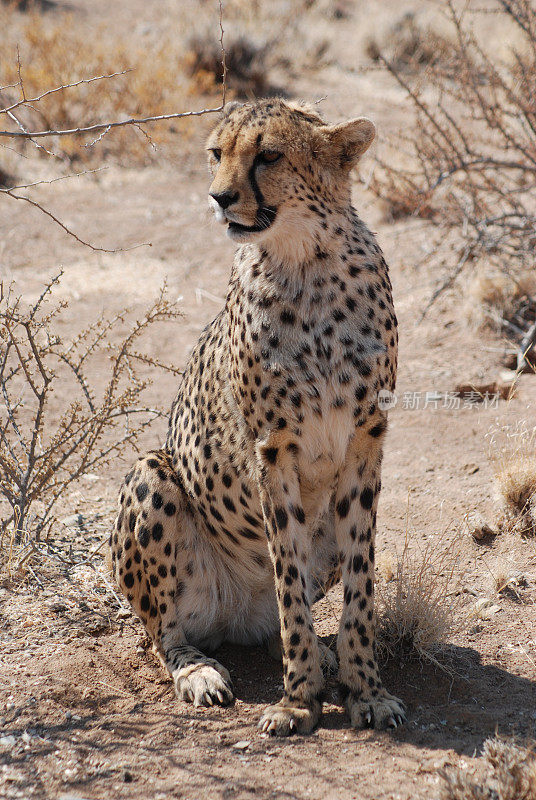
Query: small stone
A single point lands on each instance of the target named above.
(8, 741)
(508, 376)
(476, 629)
(58, 607)
(485, 608)
(26, 738)
(123, 613)
(471, 469)
(490, 611)
(477, 527)
(74, 519)
(242, 745)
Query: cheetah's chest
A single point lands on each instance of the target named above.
(311, 380)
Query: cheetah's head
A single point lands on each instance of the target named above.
(279, 171)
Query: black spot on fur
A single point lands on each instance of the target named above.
(367, 498)
(270, 453)
(281, 518)
(343, 507)
(142, 490)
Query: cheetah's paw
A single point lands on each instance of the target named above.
(204, 684)
(285, 718)
(384, 711)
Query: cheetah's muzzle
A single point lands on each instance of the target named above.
(264, 220)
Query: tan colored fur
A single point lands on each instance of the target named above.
(267, 488)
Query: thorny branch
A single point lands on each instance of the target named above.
(41, 455)
(473, 148)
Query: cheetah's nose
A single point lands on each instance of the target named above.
(225, 199)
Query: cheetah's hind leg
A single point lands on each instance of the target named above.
(151, 553)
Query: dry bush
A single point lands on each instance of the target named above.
(516, 487)
(512, 453)
(417, 605)
(6, 179)
(247, 65)
(409, 44)
(508, 773)
(259, 64)
(55, 50)
(54, 425)
(470, 159)
(500, 301)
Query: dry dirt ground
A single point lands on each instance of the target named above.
(85, 711)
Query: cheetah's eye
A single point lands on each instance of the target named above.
(216, 152)
(269, 156)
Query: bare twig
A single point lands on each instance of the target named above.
(113, 124)
(472, 152)
(52, 180)
(68, 230)
(223, 58)
(101, 129)
(61, 88)
(527, 343)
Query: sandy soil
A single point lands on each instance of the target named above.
(85, 710)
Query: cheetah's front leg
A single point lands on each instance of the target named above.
(299, 709)
(367, 702)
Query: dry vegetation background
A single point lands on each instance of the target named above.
(93, 340)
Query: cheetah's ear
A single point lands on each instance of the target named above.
(349, 140)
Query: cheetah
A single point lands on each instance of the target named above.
(266, 490)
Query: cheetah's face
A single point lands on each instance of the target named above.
(271, 163)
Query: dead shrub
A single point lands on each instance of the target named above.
(410, 44)
(31, 5)
(45, 447)
(508, 772)
(471, 156)
(512, 450)
(56, 51)
(497, 300)
(417, 606)
(7, 181)
(516, 487)
(402, 199)
(247, 65)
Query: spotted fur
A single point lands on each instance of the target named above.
(266, 490)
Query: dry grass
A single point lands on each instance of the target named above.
(247, 65)
(516, 488)
(418, 602)
(185, 65)
(512, 454)
(508, 772)
(56, 50)
(500, 301)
